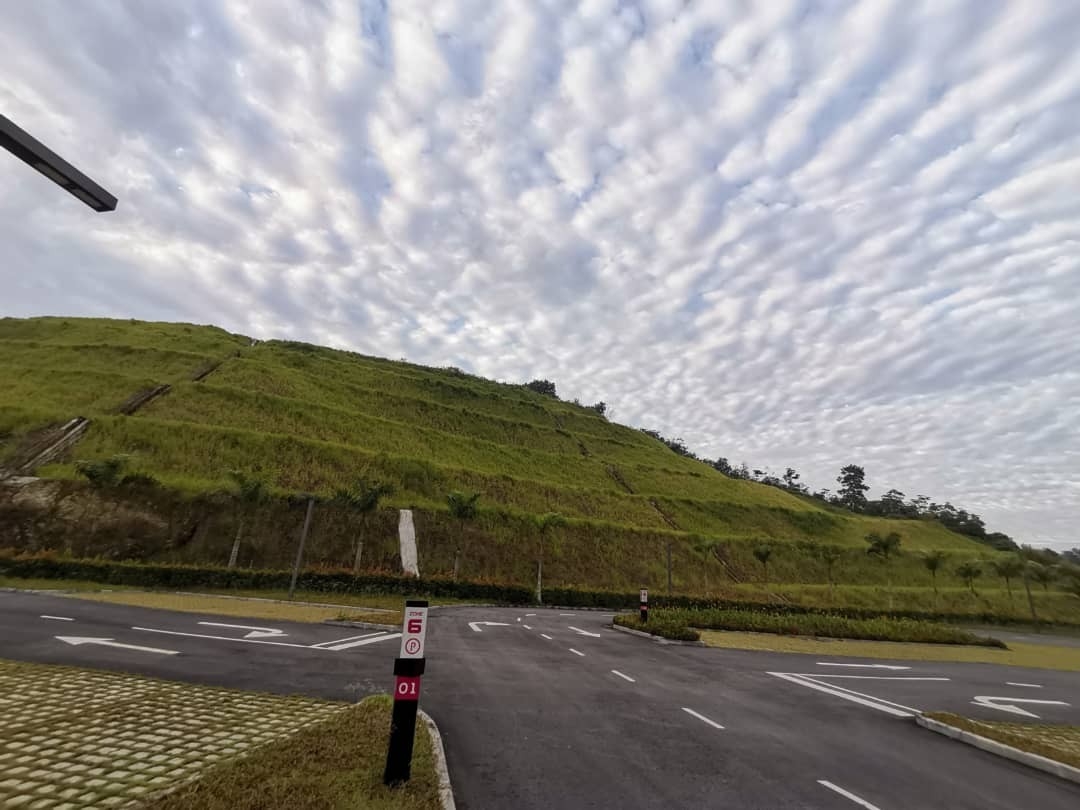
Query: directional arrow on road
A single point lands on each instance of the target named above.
(256, 632)
(76, 641)
(476, 625)
(581, 632)
(865, 666)
(1006, 705)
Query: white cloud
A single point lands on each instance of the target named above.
(798, 234)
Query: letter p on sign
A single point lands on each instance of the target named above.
(412, 640)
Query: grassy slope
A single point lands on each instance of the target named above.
(313, 419)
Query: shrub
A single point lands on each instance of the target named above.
(663, 628)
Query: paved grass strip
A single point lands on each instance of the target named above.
(1059, 743)
(335, 764)
(1036, 656)
(99, 739)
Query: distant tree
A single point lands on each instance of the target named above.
(463, 508)
(853, 487)
(1027, 568)
(1072, 556)
(891, 505)
(830, 555)
(969, 571)
(1000, 541)
(1007, 568)
(545, 387)
(744, 472)
(1042, 574)
(250, 491)
(723, 466)
(884, 548)
(600, 407)
(364, 498)
(763, 553)
(791, 481)
(545, 525)
(933, 560)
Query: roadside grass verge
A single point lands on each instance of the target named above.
(1059, 743)
(819, 625)
(665, 628)
(1035, 656)
(335, 764)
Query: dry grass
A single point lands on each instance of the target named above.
(1059, 743)
(1021, 655)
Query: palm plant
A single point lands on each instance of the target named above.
(364, 498)
(463, 508)
(545, 524)
(250, 491)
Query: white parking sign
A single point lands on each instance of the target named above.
(413, 630)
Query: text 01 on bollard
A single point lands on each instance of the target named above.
(408, 669)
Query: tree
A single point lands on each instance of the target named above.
(1028, 567)
(933, 560)
(600, 407)
(853, 487)
(463, 508)
(1007, 568)
(249, 492)
(545, 387)
(830, 555)
(763, 553)
(364, 498)
(1042, 574)
(969, 572)
(545, 523)
(884, 548)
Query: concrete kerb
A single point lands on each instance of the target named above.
(438, 754)
(657, 639)
(361, 625)
(1041, 763)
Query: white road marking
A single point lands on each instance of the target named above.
(990, 702)
(527, 615)
(343, 640)
(1007, 683)
(871, 677)
(526, 627)
(256, 632)
(476, 625)
(847, 694)
(225, 638)
(77, 641)
(847, 794)
(868, 666)
(519, 618)
(350, 644)
(568, 614)
(581, 632)
(545, 635)
(703, 718)
(58, 618)
(624, 677)
(576, 652)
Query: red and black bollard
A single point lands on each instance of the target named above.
(408, 668)
(644, 605)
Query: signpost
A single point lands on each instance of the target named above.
(644, 605)
(408, 668)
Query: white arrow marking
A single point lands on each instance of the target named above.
(847, 794)
(476, 625)
(361, 642)
(526, 627)
(989, 701)
(76, 641)
(58, 618)
(867, 666)
(256, 632)
(1028, 685)
(581, 632)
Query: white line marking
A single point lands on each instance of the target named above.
(991, 703)
(703, 718)
(343, 640)
(847, 694)
(476, 625)
(1007, 683)
(362, 642)
(545, 635)
(867, 666)
(576, 652)
(624, 677)
(568, 614)
(847, 794)
(581, 632)
(870, 677)
(225, 638)
(58, 618)
(77, 641)
(527, 615)
(526, 627)
(256, 632)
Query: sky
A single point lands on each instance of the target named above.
(799, 234)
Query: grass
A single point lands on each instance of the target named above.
(336, 764)
(816, 624)
(1059, 743)
(1036, 656)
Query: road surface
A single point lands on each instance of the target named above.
(548, 708)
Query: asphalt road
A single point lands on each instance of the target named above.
(550, 710)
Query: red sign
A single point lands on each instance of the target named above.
(413, 631)
(406, 688)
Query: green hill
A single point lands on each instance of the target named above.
(311, 420)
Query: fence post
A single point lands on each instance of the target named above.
(644, 605)
(300, 549)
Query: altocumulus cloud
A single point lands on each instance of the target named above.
(792, 232)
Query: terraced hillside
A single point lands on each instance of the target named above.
(310, 419)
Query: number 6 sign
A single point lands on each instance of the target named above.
(413, 632)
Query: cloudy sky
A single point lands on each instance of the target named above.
(796, 233)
